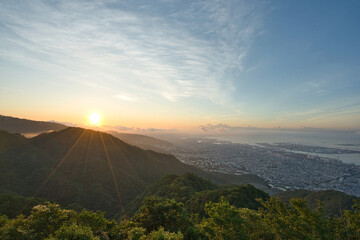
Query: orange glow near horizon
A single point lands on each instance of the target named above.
(137, 122)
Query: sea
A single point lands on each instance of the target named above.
(332, 139)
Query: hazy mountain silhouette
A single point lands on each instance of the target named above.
(31, 128)
(86, 167)
(18, 125)
(142, 141)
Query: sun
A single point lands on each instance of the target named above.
(94, 118)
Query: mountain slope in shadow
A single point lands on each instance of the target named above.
(19, 125)
(90, 168)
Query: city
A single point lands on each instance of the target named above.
(282, 169)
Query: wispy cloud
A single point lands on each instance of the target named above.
(125, 98)
(185, 50)
(222, 128)
(135, 129)
(335, 113)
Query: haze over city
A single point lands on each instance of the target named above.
(182, 64)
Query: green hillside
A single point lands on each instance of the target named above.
(189, 208)
(194, 192)
(12, 204)
(334, 202)
(179, 188)
(87, 168)
(90, 168)
(167, 219)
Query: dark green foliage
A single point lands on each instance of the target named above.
(45, 219)
(296, 221)
(195, 192)
(162, 235)
(136, 233)
(334, 202)
(156, 213)
(50, 221)
(95, 220)
(348, 225)
(139, 233)
(12, 205)
(239, 196)
(74, 232)
(223, 222)
(180, 188)
(255, 226)
(167, 219)
(3, 220)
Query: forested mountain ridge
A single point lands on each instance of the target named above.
(82, 166)
(333, 202)
(194, 192)
(167, 219)
(90, 168)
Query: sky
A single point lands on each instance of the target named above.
(169, 64)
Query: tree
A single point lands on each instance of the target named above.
(14, 229)
(95, 220)
(157, 212)
(46, 219)
(162, 235)
(224, 222)
(348, 225)
(74, 232)
(254, 225)
(296, 221)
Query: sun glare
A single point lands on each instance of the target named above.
(94, 118)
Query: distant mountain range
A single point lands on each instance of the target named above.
(30, 128)
(19, 125)
(142, 141)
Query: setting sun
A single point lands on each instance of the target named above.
(94, 118)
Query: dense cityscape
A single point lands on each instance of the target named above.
(281, 168)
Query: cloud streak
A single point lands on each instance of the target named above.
(222, 128)
(192, 50)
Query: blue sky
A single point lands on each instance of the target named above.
(181, 64)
